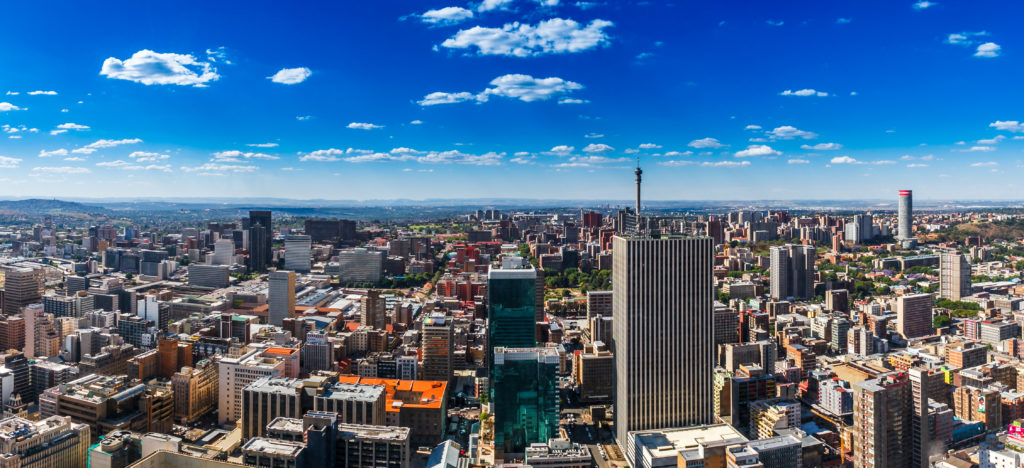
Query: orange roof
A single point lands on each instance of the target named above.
(432, 393)
(285, 351)
(352, 326)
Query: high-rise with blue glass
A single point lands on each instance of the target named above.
(525, 397)
(511, 306)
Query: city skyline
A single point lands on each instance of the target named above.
(514, 97)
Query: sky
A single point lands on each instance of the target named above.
(547, 99)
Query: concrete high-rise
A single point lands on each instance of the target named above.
(223, 251)
(663, 332)
(262, 218)
(22, 286)
(905, 234)
(373, 310)
(259, 258)
(281, 297)
(882, 420)
(792, 271)
(437, 347)
(954, 276)
(914, 315)
(297, 254)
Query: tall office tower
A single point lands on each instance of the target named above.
(282, 297)
(914, 315)
(524, 389)
(882, 422)
(223, 251)
(954, 276)
(922, 436)
(259, 258)
(12, 333)
(297, 253)
(906, 220)
(792, 271)
(54, 441)
(511, 306)
(22, 286)
(663, 332)
(268, 398)
(373, 310)
(263, 219)
(436, 343)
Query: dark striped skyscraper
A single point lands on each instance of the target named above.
(663, 332)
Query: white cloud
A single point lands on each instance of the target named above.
(61, 170)
(1007, 125)
(705, 143)
(363, 126)
(327, 155)
(649, 146)
(597, 148)
(142, 156)
(787, 132)
(757, 150)
(218, 55)
(457, 157)
(593, 135)
(416, 122)
(303, 117)
(573, 101)
(439, 97)
(823, 147)
(522, 87)
(117, 163)
(916, 165)
(488, 5)
(6, 106)
(56, 152)
(804, 92)
(988, 50)
(13, 93)
(219, 168)
(775, 22)
(112, 143)
(992, 141)
(843, 20)
(64, 127)
(752, 127)
(290, 76)
(678, 153)
(239, 156)
(262, 145)
(844, 160)
(127, 166)
(975, 149)
(923, 4)
(9, 162)
(798, 161)
(148, 67)
(522, 160)
(964, 38)
(446, 15)
(985, 164)
(562, 149)
(45, 93)
(553, 36)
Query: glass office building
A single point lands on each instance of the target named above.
(511, 306)
(524, 397)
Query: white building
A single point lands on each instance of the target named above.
(297, 253)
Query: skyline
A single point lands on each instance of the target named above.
(507, 98)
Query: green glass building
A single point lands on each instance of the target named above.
(525, 397)
(511, 306)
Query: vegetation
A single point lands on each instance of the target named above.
(594, 280)
(941, 321)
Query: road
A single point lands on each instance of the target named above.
(577, 425)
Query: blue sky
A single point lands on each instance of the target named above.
(512, 98)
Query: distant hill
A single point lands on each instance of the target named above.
(38, 206)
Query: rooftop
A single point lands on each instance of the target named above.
(407, 393)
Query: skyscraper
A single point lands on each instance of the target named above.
(882, 420)
(906, 219)
(281, 297)
(511, 322)
(663, 332)
(436, 344)
(954, 276)
(259, 258)
(525, 397)
(297, 254)
(792, 271)
(914, 315)
(262, 218)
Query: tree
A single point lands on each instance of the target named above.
(941, 321)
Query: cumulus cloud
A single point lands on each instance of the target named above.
(6, 106)
(515, 86)
(1007, 125)
(149, 68)
(992, 141)
(787, 132)
(446, 15)
(752, 127)
(363, 126)
(573, 101)
(707, 163)
(290, 76)
(142, 156)
(44, 93)
(7, 162)
(416, 122)
(239, 156)
(597, 148)
(60, 170)
(211, 167)
(924, 4)
(757, 150)
(488, 5)
(678, 153)
(594, 135)
(705, 143)
(56, 152)
(64, 127)
(127, 166)
(262, 145)
(553, 36)
(804, 92)
(985, 164)
(988, 50)
(562, 150)
(649, 146)
(978, 148)
(916, 165)
(327, 155)
(823, 147)
(798, 161)
(844, 160)
(964, 38)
